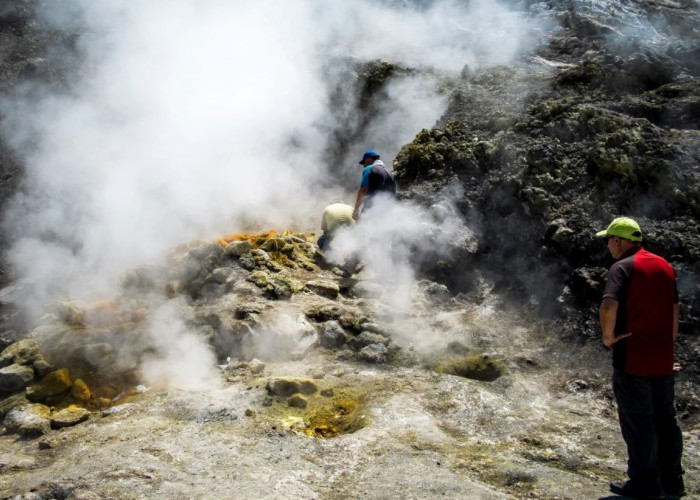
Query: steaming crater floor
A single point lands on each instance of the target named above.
(384, 423)
(526, 434)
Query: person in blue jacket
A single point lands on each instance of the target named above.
(375, 179)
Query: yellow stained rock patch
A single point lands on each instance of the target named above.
(288, 249)
(80, 391)
(340, 411)
(53, 384)
(255, 239)
(473, 366)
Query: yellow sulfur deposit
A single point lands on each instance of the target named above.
(56, 382)
(80, 391)
(255, 239)
(324, 414)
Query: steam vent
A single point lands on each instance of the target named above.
(173, 325)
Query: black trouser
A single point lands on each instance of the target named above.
(650, 428)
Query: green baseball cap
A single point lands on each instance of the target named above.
(623, 227)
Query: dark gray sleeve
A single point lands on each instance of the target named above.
(619, 278)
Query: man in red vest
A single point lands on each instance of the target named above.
(639, 319)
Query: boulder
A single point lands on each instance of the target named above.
(22, 353)
(259, 278)
(285, 387)
(297, 401)
(256, 366)
(324, 288)
(373, 353)
(366, 338)
(6, 405)
(324, 312)
(274, 244)
(69, 416)
(28, 420)
(219, 275)
(80, 390)
(238, 248)
(55, 383)
(281, 287)
(331, 335)
(15, 377)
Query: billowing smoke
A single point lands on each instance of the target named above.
(194, 119)
(179, 357)
(389, 242)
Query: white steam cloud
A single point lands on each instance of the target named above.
(192, 116)
(181, 359)
(192, 119)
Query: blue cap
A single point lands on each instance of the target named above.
(368, 154)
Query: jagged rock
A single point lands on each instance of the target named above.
(325, 288)
(22, 353)
(238, 248)
(365, 339)
(244, 310)
(297, 401)
(246, 290)
(373, 353)
(57, 382)
(281, 287)
(259, 278)
(324, 312)
(80, 390)
(353, 319)
(8, 404)
(247, 262)
(285, 387)
(331, 335)
(28, 420)
(15, 377)
(68, 417)
(274, 244)
(434, 291)
(373, 327)
(42, 367)
(256, 366)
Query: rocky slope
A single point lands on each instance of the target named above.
(597, 124)
(322, 390)
(491, 383)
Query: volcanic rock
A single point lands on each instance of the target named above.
(297, 401)
(285, 387)
(331, 335)
(373, 353)
(22, 352)
(325, 288)
(80, 391)
(28, 420)
(68, 416)
(57, 382)
(367, 338)
(238, 248)
(13, 401)
(15, 377)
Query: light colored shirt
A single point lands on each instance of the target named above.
(336, 215)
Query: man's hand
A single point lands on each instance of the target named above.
(610, 341)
